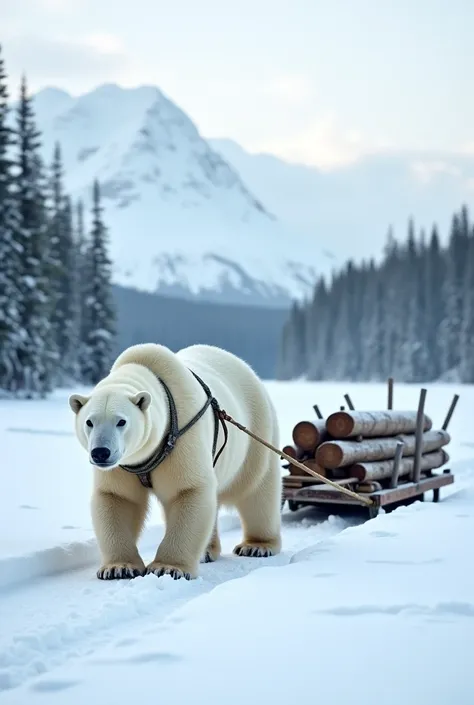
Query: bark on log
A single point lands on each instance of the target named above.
(338, 454)
(294, 452)
(310, 463)
(309, 434)
(383, 469)
(370, 424)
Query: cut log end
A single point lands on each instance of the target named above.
(313, 465)
(340, 424)
(295, 471)
(329, 455)
(292, 451)
(308, 434)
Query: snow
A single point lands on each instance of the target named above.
(350, 611)
(180, 218)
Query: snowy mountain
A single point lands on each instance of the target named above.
(350, 209)
(182, 221)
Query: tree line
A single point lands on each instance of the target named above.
(57, 317)
(410, 316)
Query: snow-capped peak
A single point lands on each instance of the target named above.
(181, 219)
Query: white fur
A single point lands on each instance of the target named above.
(247, 474)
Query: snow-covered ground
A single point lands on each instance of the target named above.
(349, 612)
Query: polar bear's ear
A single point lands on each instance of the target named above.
(142, 400)
(77, 401)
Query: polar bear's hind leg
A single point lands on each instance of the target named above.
(260, 513)
(213, 550)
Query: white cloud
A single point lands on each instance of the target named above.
(426, 171)
(103, 43)
(323, 143)
(468, 148)
(291, 88)
(73, 63)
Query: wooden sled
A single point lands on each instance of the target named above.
(314, 494)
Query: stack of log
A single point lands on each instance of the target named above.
(374, 449)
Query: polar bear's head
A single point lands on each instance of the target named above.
(111, 425)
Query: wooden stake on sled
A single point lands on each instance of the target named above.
(360, 498)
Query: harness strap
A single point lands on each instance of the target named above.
(143, 470)
(217, 417)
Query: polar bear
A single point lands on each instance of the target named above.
(122, 425)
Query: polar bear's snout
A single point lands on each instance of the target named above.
(105, 444)
(105, 447)
(100, 455)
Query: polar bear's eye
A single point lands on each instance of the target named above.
(122, 422)
(89, 423)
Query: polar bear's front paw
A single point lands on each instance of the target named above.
(252, 549)
(210, 556)
(120, 571)
(160, 569)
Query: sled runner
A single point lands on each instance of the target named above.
(387, 498)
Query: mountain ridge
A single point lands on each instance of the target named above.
(353, 207)
(182, 220)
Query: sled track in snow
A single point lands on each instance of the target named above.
(53, 608)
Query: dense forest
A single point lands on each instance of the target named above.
(57, 314)
(410, 316)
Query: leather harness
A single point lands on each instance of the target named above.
(143, 470)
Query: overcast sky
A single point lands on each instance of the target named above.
(320, 81)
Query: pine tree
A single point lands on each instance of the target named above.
(70, 303)
(99, 313)
(415, 292)
(342, 349)
(292, 356)
(10, 252)
(317, 332)
(391, 274)
(80, 286)
(434, 276)
(37, 353)
(62, 275)
(467, 326)
(80, 231)
(335, 313)
(404, 368)
(456, 262)
(285, 366)
(373, 326)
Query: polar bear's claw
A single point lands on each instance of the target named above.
(159, 570)
(209, 557)
(119, 571)
(251, 550)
